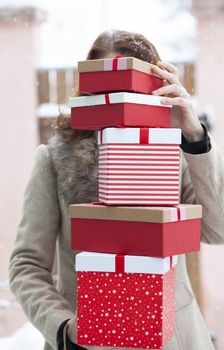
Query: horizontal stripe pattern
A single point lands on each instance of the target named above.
(139, 187)
(143, 160)
(140, 202)
(139, 174)
(140, 167)
(154, 172)
(143, 191)
(143, 197)
(138, 146)
(138, 177)
(131, 183)
(136, 194)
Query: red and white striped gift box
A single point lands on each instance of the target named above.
(139, 166)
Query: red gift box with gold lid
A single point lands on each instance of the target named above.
(117, 74)
(148, 231)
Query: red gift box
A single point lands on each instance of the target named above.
(118, 109)
(117, 74)
(125, 301)
(139, 166)
(147, 231)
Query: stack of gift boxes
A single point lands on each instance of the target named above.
(131, 238)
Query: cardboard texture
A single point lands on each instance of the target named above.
(113, 64)
(118, 109)
(156, 214)
(119, 309)
(117, 74)
(142, 231)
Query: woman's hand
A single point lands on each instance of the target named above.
(183, 116)
(71, 329)
(71, 332)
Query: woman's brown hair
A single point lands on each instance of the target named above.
(118, 42)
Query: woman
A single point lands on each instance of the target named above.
(65, 172)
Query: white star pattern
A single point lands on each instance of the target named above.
(111, 323)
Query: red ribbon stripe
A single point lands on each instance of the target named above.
(107, 99)
(119, 263)
(115, 62)
(171, 262)
(144, 136)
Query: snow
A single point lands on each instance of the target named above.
(25, 338)
(51, 110)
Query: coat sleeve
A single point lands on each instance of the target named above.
(32, 258)
(203, 183)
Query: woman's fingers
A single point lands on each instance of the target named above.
(176, 101)
(164, 74)
(173, 89)
(169, 67)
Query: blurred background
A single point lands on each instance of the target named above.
(40, 44)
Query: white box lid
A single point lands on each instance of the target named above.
(102, 262)
(132, 136)
(116, 97)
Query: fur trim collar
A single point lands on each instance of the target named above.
(76, 166)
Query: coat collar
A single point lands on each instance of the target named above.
(76, 167)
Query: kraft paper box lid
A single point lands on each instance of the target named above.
(133, 135)
(138, 214)
(110, 64)
(116, 97)
(101, 262)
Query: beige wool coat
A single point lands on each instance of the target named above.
(65, 172)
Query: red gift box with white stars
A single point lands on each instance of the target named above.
(125, 301)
